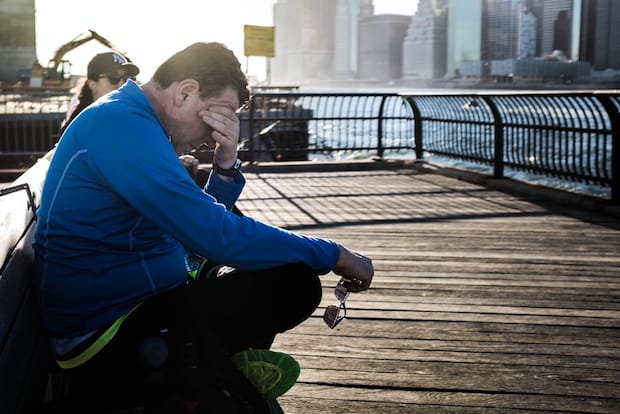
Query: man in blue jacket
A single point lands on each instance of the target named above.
(121, 224)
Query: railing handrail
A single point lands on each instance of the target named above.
(558, 126)
(573, 135)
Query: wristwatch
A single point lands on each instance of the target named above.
(230, 172)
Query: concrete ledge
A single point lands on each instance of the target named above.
(325, 166)
(526, 190)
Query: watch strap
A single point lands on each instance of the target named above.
(230, 172)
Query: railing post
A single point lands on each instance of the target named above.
(251, 134)
(614, 118)
(380, 128)
(498, 138)
(417, 128)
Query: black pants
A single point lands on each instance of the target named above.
(236, 311)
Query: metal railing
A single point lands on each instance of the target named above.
(29, 122)
(571, 136)
(568, 136)
(337, 125)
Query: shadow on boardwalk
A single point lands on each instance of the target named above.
(482, 302)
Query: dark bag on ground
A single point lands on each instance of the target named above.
(171, 373)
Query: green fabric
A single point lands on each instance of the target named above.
(97, 345)
(194, 265)
(272, 373)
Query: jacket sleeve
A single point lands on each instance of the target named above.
(137, 161)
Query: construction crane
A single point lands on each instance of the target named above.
(57, 74)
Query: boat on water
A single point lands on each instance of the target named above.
(273, 127)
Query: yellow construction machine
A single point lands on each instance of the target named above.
(57, 74)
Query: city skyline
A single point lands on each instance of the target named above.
(346, 40)
(484, 40)
(149, 40)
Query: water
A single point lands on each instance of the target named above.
(330, 138)
(566, 185)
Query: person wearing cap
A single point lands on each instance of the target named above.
(106, 72)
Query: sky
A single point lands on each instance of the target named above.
(150, 31)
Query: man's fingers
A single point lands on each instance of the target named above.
(223, 121)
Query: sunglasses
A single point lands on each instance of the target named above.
(115, 78)
(332, 316)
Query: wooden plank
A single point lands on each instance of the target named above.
(482, 302)
(517, 354)
(311, 399)
(455, 377)
(463, 331)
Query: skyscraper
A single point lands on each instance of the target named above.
(464, 42)
(600, 34)
(557, 31)
(500, 29)
(509, 30)
(17, 39)
(381, 50)
(304, 41)
(424, 47)
(527, 32)
(346, 55)
(381, 46)
(536, 8)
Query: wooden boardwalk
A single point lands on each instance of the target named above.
(482, 302)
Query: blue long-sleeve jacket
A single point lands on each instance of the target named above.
(119, 211)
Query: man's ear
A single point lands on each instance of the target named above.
(185, 89)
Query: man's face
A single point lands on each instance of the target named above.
(189, 130)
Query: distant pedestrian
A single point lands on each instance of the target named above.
(106, 72)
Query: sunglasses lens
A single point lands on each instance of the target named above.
(332, 313)
(331, 316)
(341, 293)
(115, 78)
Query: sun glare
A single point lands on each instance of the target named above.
(149, 31)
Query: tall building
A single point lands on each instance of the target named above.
(346, 53)
(424, 47)
(304, 41)
(499, 29)
(600, 34)
(507, 30)
(464, 41)
(381, 46)
(527, 24)
(17, 38)
(536, 8)
(560, 28)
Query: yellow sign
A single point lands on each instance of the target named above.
(259, 40)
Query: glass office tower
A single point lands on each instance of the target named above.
(464, 41)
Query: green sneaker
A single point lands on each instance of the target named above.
(272, 373)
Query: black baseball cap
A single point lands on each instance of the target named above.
(108, 62)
